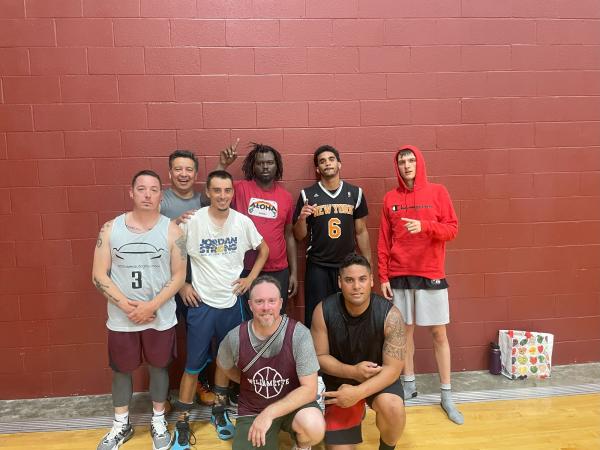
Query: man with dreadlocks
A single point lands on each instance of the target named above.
(265, 201)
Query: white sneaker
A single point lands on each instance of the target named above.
(117, 436)
(295, 447)
(161, 438)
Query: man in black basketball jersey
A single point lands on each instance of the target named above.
(333, 214)
(360, 342)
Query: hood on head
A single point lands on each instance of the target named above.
(421, 176)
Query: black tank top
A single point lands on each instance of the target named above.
(354, 339)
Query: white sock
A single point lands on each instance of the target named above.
(157, 414)
(409, 385)
(122, 418)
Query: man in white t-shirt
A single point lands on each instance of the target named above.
(217, 240)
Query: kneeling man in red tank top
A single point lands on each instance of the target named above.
(273, 359)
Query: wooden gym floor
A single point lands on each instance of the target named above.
(566, 422)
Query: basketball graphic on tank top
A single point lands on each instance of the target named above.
(268, 383)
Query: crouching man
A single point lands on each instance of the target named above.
(274, 360)
(360, 342)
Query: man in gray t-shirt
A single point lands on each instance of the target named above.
(177, 201)
(302, 348)
(181, 196)
(274, 360)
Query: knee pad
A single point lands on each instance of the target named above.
(159, 383)
(122, 388)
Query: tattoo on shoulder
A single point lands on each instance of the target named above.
(395, 335)
(181, 245)
(101, 236)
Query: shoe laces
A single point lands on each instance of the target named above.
(117, 428)
(159, 425)
(185, 435)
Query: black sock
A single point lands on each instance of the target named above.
(384, 446)
(221, 394)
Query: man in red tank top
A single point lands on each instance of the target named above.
(273, 359)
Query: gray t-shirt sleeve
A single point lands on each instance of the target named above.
(304, 351)
(229, 350)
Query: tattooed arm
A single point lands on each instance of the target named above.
(101, 271)
(394, 349)
(144, 311)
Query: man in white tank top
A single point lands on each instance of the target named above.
(139, 265)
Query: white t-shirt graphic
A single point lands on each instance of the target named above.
(217, 254)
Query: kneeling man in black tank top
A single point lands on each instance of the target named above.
(360, 342)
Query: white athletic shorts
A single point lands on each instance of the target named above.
(424, 307)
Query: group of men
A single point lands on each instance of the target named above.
(226, 264)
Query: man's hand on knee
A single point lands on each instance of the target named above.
(258, 431)
(344, 397)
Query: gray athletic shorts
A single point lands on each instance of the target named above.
(423, 307)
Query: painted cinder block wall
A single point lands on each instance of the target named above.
(503, 97)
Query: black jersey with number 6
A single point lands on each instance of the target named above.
(331, 234)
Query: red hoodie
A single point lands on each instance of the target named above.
(422, 254)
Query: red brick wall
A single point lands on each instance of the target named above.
(502, 96)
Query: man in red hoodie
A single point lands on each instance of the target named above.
(416, 221)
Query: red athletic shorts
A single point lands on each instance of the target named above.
(343, 425)
(125, 348)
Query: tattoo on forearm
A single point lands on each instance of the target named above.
(166, 285)
(103, 290)
(181, 245)
(395, 335)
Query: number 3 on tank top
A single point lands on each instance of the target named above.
(137, 279)
(333, 228)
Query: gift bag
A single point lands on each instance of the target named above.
(525, 353)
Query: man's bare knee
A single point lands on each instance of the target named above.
(389, 407)
(309, 424)
(438, 333)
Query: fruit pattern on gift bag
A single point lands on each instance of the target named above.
(530, 356)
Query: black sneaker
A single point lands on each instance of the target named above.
(184, 437)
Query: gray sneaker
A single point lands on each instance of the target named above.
(161, 438)
(118, 435)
